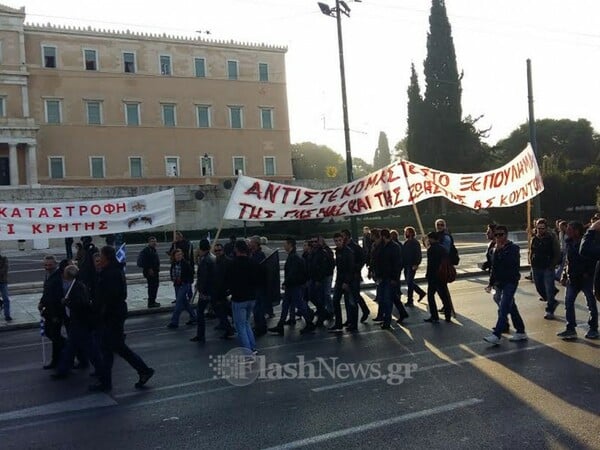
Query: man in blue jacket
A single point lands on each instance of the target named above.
(504, 277)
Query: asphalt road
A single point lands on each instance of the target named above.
(543, 393)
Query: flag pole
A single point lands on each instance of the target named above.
(412, 200)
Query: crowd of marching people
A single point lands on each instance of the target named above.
(231, 282)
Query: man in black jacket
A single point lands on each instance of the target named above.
(435, 255)
(545, 256)
(182, 277)
(220, 304)
(112, 309)
(205, 285)
(387, 274)
(590, 248)
(149, 261)
(346, 273)
(293, 285)
(318, 269)
(411, 259)
(359, 262)
(52, 310)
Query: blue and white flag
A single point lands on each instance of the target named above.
(122, 254)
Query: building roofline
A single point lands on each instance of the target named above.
(12, 11)
(156, 37)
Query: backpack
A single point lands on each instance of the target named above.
(446, 272)
(453, 254)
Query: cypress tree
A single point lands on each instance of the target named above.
(382, 153)
(414, 131)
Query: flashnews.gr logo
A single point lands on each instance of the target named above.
(241, 368)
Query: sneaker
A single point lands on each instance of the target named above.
(421, 297)
(144, 377)
(276, 330)
(567, 335)
(517, 337)
(492, 339)
(154, 305)
(309, 328)
(549, 316)
(378, 319)
(8, 318)
(364, 317)
(99, 387)
(592, 334)
(198, 339)
(335, 329)
(191, 322)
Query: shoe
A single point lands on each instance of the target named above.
(278, 329)
(172, 326)
(59, 376)
(549, 316)
(254, 352)
(191, 322)
(219, 328)
(50, 366)
(386, 326)
(364, 317)
(99, 387)
(198, 339)
(442, 309)
(517, 337)
(422, 296)
(378, 319)
(541, 299)
(431, 320)
(567, 335)
(592, 334)
(352, 329)
(144, 377)
(154, 305)
(335, 329)
(228, 335)
(290, 322)
(492, 339)
(270, 315)
(410, 304)
(80, 366)
(448, 319)
(173, 302)
(528, 277)
(8, 318)
(309, 328)
(346, 324)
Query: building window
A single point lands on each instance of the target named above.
(135, 167)
(168, 114)
(1, 52)
(91, 59)
(266, 118)
(129, 62)
(94, 112)
(49, 56)
(263, 72)
(165, 65)
(232, 70)
(172, 166)
(53, 111)
(239, 165)
(2, 107)
(132, 114)
(235, 117)
(200, 66)
(56, 166)
(203, 112)
(206, 165)
(97, 166)
(270, 167)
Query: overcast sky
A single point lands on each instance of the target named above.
(493, 39)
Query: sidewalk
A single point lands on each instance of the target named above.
(25, 314)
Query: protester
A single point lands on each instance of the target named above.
(52, 309)
(182, 277)
(388, 267)
(345, 266)
(149, 261)
(411, 259)
(5, 302)
(260, 305)
(359, 262)
(435, 256)
(220, 304)
(205, 285)
(545, 255)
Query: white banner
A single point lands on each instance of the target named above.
(88, 218)
(516, 182)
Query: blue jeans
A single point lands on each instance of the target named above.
(5, 299)
(292, 298)
(79, 341)
(544, 284)
(411, 286)
(241, 318)
(572, 291)
(182, 303)
(507, 305)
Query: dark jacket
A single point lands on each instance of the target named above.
(241, 278)
(3, 269)
(80, 308)
(149, 260)
(206, 276)
(359, 256)
(330, 260)
(344, 262)
(506, 263)
(186, 247)
(389, 262)
(578, 268)
(590, 248)
(294, 270)
(412, 255)
(435, 254)
(489, 254)
(186, 273)
(52, 295)
(545, 251)
(109, 304)
(318, 265)
(222, 264)
(87, 269)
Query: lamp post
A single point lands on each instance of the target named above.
(342, 8)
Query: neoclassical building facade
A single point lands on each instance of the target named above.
(87, 107)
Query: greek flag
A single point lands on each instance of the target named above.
(121, 253)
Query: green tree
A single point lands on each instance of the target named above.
(382, 153)
(360, 168)
(415, 143)
(310, 161)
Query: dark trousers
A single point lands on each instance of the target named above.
(260, 307)
(350, 303)
(411, 286)
(153, 282)
(441, 289)
(200, 318)
(507, 305)
(113, 341)
(293, 298)
(53, 333)
(355, 287)
(79, 342)
(222, 310)
(317, 294)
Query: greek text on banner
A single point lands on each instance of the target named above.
(399, 184)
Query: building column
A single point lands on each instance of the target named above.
(32, 168)
(13, 163)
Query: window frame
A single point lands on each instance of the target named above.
(91, 161)
(139, 113)
(162, 113)
(237, 70)
(60, 114)
(176, 158)
(241, 109)
(209, 114)
(3, 105)
(130, 158)
(233, 159)
(96, 59)
(62, 161)
(87, 111)
(44, 46)
(262, 122)
(274, 166)
(260, 74)
(135, 65)
(212, 166)
(203, 66)
(160, 65)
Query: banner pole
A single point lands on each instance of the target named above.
(214, 241)
(529, 234)
(412, 200)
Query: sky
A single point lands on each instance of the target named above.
(493, 39)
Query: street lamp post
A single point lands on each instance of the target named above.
(342, 8)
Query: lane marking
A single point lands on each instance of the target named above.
(377, 424)
(77, 404)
